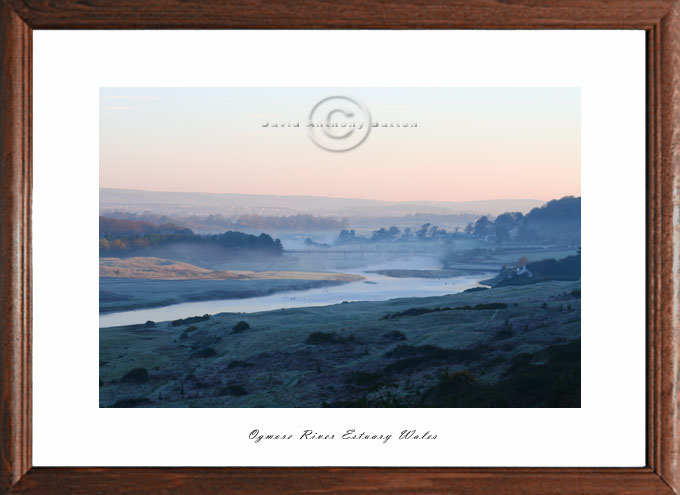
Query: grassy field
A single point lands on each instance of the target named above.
(502, 347)
(160, 269)
(142, 282)
(119, 294)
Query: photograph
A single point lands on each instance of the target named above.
(351, 247)
(308, 216)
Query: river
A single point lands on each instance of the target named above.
(378, 288)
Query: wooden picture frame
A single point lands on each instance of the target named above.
(661, 21)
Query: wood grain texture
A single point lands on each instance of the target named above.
(668, 367)
(661, 20)
(342, 481)
(654, 244)
(338, 14)
(15, 262)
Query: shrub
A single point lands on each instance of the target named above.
(150, 324)
(362, 378)
(238, 364)
(137, 375)
(484, 306)
(234, 390)
(317, 338)
(416, 357)
(434, 352)
(240, 327)
(413, 312)
(191, 319)
(460, 377)
(555, 383)
(394, 336)
(186, 332)
(476, 289)
(387, 400)
(131, 402)
(205, 353)
(504, 333)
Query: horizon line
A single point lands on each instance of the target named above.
(335, 197)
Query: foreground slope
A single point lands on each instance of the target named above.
(503, 347)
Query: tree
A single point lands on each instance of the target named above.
(421, 234)
(483, 227)
(380, 235)
(502, 234)
(346, 236)
(117, 245)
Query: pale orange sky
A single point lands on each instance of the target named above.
(470, 143)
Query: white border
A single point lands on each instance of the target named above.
(69, 67)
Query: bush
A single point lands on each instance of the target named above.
(150, 324)
(238, 364)
(131, 402)
(317, 338)
(461, 377)
(137, 375)
(476, 289)
(485, 306)
(186, 332)
(191, 319)
(394, 336)
(205, 353)
(417, 357)
(504, 333)
(240, 327)
(413, 312)
(387, 400)
(362, 378)
(234, 390)
(555, 383)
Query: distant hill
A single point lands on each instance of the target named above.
(557, 221)
(188, 203)
(220, 223)
(121, 227)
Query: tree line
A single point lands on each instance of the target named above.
(426, 232)
(110, 245)
(557, 220)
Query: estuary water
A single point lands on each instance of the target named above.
(374, 288)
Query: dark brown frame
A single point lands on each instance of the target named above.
(661, 21)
